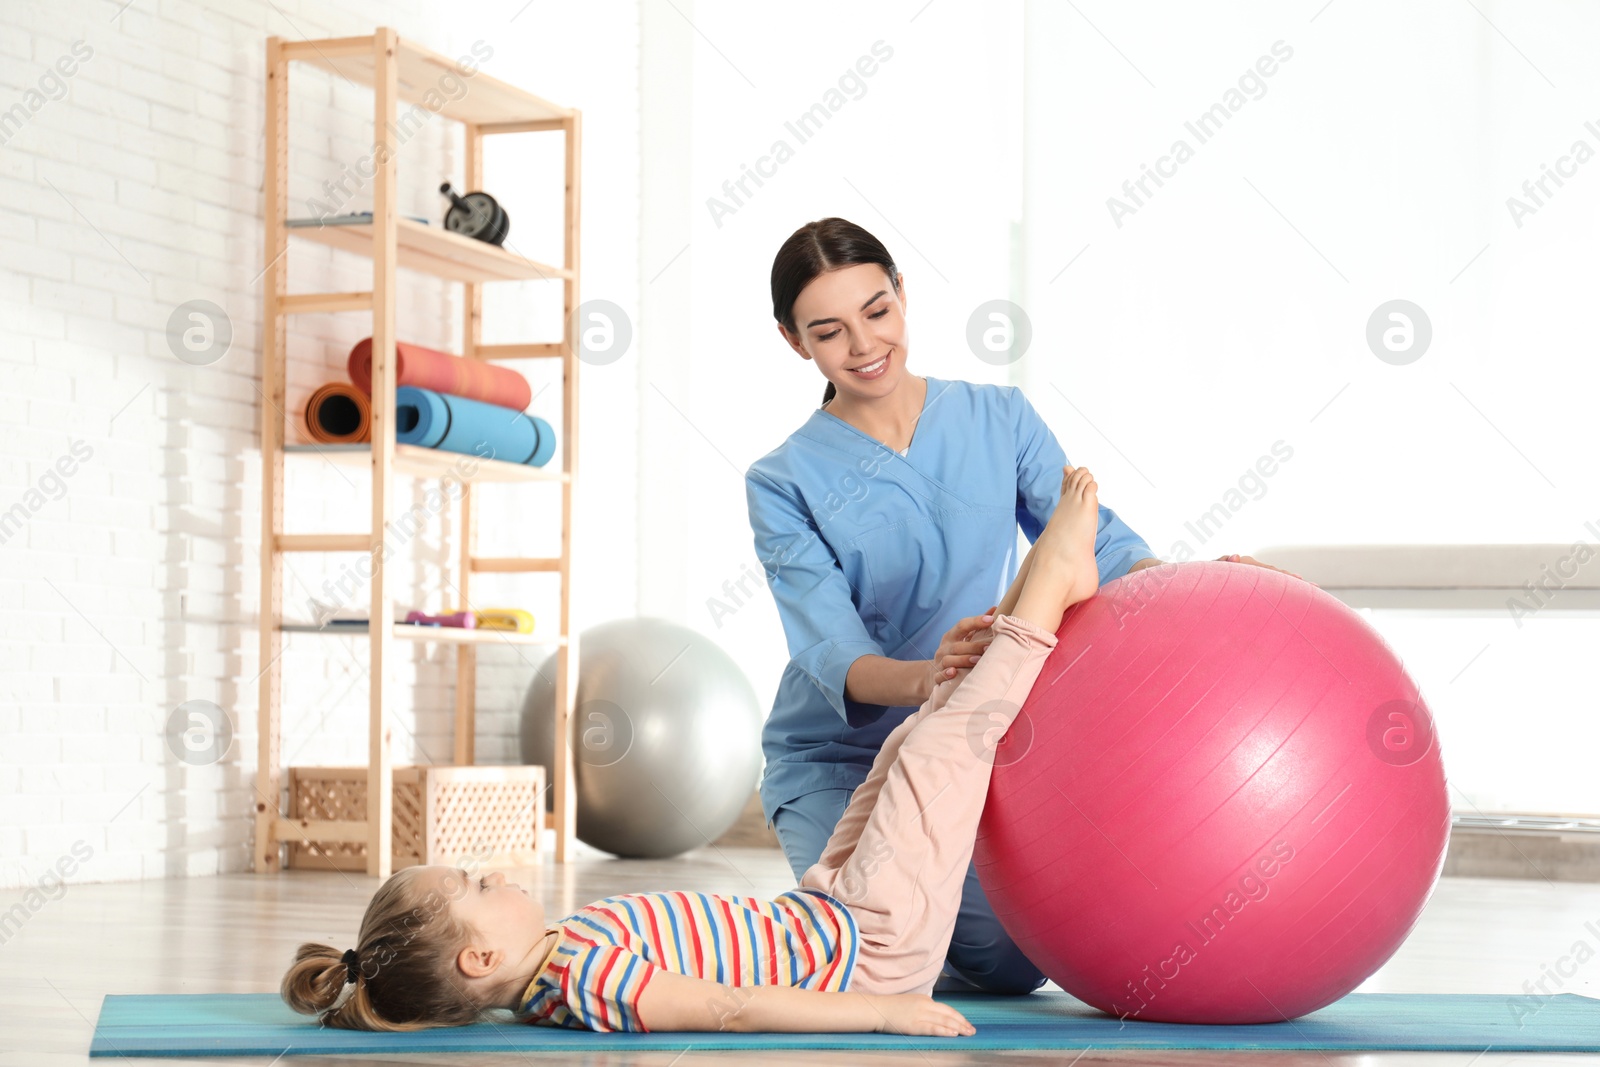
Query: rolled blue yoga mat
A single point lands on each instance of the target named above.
(456, 424)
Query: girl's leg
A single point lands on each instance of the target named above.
(848, 830)
(1009, 604)
(903, 878)
(901, 853)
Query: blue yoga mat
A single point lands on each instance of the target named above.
(260, 1024)
(456, 424)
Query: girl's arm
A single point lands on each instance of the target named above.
(674, 1001)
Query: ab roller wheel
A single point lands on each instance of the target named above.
(476, 215)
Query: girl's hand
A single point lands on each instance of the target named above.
(1236, 558)
(920, 1015)
(958, 651)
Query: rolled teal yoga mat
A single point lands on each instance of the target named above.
(260, 1024)
(456, 424)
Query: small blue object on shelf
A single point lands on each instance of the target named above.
(456, 424)
(354, 219)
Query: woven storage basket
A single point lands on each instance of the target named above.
(448, 815)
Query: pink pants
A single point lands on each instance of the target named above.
(900, 853)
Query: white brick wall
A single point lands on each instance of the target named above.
(131, 586)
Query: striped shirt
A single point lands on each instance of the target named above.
(608, 951)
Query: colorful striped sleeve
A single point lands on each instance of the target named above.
(602, 986)
(823, 937)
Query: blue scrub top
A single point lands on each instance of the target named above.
(871, 552)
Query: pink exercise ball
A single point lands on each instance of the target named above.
(1223, 801)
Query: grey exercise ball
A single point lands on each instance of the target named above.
(665, 733)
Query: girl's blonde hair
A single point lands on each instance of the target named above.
(406, 977)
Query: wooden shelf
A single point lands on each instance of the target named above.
(402, 74)
(424, 80)
(450, 635)
(422, 462)
(434, 250)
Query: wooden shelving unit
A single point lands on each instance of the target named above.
(442, 634)
(400, 70)
(436, 251)
(432, 463)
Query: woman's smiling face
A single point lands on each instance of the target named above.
(852, 319)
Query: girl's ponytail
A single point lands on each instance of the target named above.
(405, 964)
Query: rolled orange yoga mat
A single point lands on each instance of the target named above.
(442, 372)
(338, 413)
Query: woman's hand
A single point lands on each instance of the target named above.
(957, 650)
(919, 1015)
(1236, 558)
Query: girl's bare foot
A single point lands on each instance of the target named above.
(1064, 569)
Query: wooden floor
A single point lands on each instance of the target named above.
(236, 933)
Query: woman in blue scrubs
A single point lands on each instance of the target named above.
(884, 524)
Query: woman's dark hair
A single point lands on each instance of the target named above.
(815, 248)
(405, 973)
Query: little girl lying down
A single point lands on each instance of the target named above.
(857, 946)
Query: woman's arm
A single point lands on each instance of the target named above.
(815, 600)
(890, 682)
(905, 682)
(680, 1002)
(898, 682)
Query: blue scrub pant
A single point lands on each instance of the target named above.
(981, 953)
